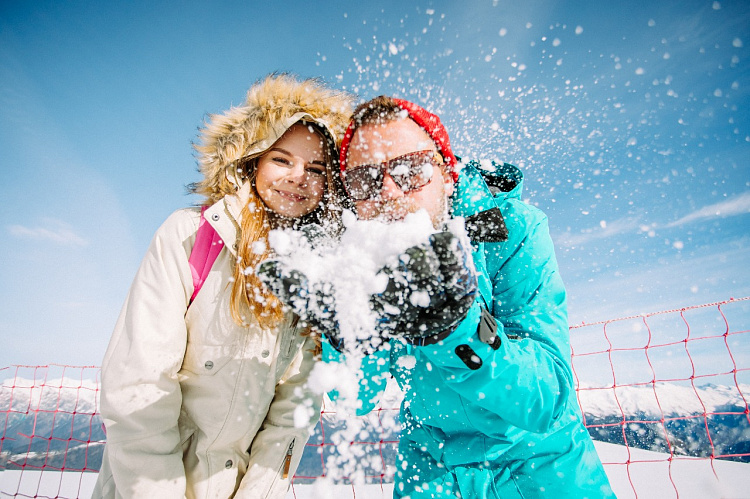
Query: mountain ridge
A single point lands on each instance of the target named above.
(55, 424)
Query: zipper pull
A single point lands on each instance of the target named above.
(288, 461)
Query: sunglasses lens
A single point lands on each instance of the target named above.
(412, 171)
(363, 182)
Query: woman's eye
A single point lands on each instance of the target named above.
(281, 161)
(316, 170)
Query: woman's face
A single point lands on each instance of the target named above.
(291, 175)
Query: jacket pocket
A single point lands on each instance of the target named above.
(107, 489)
(506, 485)
(284, 468)
(292, 333)
(207, 360)
(187, 429)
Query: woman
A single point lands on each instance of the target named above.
(204, 394)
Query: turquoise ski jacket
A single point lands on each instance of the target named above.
(505, 422)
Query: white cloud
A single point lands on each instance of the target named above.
(713, 274)
(52, 230)
(738, 205)
(603, 230)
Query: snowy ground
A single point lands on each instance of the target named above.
(692, 478)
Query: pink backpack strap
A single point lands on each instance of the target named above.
(207, 247)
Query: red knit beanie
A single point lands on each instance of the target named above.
(429, 122)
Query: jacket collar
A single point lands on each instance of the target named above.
(224, 216)
(479, 193)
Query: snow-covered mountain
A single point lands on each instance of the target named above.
(665, 417)
(56, 423)
(661, 398)
(52, 423)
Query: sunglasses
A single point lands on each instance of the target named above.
(409, 172)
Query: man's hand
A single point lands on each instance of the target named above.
(429, 290)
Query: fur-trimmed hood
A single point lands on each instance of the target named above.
(272, 106)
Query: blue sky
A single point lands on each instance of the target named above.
(629, 119)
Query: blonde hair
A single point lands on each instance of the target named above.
(248, 293)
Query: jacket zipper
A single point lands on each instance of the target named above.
(288, 460)
(284, 470)
(291, 334)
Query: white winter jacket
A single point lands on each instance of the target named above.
(195, 405)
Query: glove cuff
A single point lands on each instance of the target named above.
(432, 339)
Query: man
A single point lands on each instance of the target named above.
(490, 407)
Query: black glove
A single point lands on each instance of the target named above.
(314, 304)
(429, 291)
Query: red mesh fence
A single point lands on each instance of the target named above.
(50, 424)
(680, 383)
(661, 393)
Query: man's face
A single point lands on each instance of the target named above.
(374, 144)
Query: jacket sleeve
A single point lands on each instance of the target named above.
(278, 446)
(372, 376)
(527, 380)
(141, 397)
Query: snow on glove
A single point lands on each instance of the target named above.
(429, 290)
(413, 281)
(314, 303)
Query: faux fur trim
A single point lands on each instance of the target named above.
(249, 129)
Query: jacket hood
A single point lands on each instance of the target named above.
(483, 185)
(272, 106)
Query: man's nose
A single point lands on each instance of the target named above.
(390, 190)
